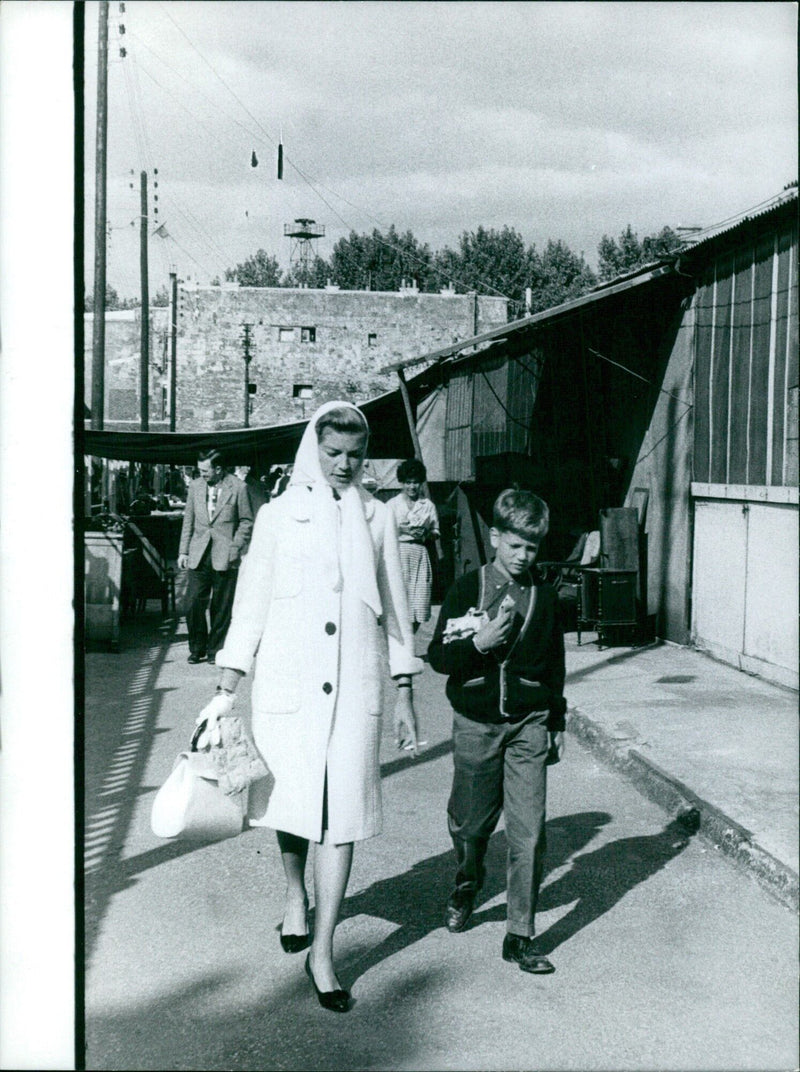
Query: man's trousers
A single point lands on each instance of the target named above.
(220, 586)
(501, 767)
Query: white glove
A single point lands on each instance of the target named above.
(220, 706)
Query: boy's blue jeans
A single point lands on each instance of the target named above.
(501, 767)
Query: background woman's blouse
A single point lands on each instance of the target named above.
(422, 512)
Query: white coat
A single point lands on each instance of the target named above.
(319, 672)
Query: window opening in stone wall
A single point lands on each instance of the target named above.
(285, 334)
(303, 390)
(372, 339)
(308, 334)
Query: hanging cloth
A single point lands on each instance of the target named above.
(354, 566)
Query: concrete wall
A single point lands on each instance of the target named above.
(354, 334)
(123, 349)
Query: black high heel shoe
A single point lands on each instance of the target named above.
(295, 943)
(335, 1000)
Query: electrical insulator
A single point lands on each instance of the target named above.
(122, 8)
(155, 170)
(122, 28)
(123, 52)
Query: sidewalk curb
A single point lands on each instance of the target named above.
(662, 788)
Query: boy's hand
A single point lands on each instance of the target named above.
(556, 750)
(495, 632)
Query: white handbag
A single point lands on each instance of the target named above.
(191, 805)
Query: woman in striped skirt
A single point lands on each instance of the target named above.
(417, 522)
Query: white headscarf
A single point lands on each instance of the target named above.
(355, 566)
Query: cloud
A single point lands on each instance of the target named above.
(561, 119)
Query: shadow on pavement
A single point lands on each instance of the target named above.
(443, 748)
(121, 711)
(415, 900)
(598, 880)
(266, 1025)
(615, 660)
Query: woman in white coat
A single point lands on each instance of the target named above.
(322, 587)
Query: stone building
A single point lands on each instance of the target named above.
(306, 347)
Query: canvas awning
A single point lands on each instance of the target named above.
(389, 438)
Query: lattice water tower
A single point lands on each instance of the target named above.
(302, 233)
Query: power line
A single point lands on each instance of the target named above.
(639, 377)
(310, 183)
(205, 236)
(217, 74)
(194, 89)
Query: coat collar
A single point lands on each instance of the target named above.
(224, 492)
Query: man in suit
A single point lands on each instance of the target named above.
(217, 524)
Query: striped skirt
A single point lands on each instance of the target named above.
(418, 578)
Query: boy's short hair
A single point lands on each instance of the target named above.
(522, 513)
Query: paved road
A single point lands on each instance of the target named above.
(667, 957)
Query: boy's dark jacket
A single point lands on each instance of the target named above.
(525, 674)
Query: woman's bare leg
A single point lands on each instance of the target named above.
(331, 872)
(294, 852)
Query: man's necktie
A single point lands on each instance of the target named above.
(212, 506)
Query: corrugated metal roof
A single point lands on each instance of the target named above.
(708, 234)
(642, 275)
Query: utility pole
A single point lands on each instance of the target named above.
(144, 359)
(246, 345)
(173, 349)
(99, 322)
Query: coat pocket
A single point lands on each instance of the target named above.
(527, 693)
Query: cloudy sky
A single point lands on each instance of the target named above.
(562, 120)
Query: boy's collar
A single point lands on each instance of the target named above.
(525, 580)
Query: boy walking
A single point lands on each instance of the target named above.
(499, 640)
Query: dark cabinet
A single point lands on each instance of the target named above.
(606, 599)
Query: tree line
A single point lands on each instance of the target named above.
(486, 260)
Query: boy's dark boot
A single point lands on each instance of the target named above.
(459, 908)
(469, 878)
(521, 950)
